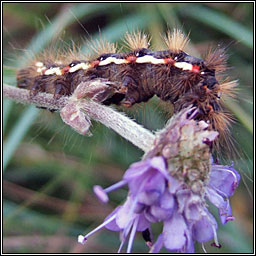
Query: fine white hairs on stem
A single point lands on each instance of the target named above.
(85, 107)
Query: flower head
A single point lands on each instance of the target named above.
(171, 186)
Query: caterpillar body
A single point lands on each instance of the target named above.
(141, 73)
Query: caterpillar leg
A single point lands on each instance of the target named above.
(25, 78)
(35, 88)
(60, 89)
(132, 94)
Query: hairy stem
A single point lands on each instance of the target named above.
(40, 100)
(119, 122)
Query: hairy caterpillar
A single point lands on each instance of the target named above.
(141, 73)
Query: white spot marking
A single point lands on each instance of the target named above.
(110, 60)
(53, 71)
(149, 59)
(184, 66)
(79, 66)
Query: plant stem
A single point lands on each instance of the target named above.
(119, 122)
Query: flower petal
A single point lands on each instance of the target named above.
(189, 248)
(226, 214)
(204, 229)
(124, 216)
(167, 200)
(164, 209)
(148, 215)
(148, 198)
(113, 225)
(159, 164)
(143, 223)
(157, 246)
(224, 178)
(174, 232)
(136, 170)
(182, 198)
(173, 185)
(216, 199)
(159, 213)
(193, 208)
(153, 187)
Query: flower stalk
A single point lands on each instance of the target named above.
(81, 109)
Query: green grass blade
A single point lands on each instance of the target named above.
(241, 115)
(116, 30)
(7, 106)
(62, 20)
(221, 22)
(238, 242)
(17, 133)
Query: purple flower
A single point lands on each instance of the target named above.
(146, 180)
(130, 217)
(171, 186)
(184, 213)
(222, 184)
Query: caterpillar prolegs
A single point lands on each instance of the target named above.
(141, 73)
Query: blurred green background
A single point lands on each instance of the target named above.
(49, 169)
